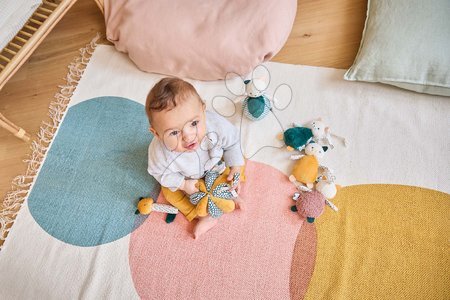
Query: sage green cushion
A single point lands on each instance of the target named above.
(406, 43)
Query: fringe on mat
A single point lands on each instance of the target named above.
(21, 184)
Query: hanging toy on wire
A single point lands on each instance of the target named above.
(254, 95)
(256, 104)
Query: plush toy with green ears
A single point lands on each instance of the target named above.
(296, 138)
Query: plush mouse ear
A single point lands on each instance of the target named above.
(325, 148)
(224, 106)
(282, 96)
(261, 73)
(235, 84)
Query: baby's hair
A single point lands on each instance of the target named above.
(167, 93)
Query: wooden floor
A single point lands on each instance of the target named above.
(325, 33)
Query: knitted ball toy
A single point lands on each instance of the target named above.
(310, 205)
(214, 197)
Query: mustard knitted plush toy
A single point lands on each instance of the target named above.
(214, 197)
(311, 204)
(306, 169)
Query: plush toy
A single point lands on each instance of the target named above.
(296, 138)
(256, 104)
(147, 205)
(253, 92)
(325, 183)
(306, 168)
(311, 204)
(322, 133)
(327, 188)
(214, 197)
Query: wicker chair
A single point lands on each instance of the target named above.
(19, 49)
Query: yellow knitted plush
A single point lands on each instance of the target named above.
(306, 169)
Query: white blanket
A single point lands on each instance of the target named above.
(395, 137)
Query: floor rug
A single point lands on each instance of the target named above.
(76, 234)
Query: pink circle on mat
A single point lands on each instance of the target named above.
(247, 255)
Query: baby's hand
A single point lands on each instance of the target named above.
(234, 170)
(189, 186)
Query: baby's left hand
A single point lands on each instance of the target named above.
(233, 170)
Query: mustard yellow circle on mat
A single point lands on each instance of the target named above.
(386, 242)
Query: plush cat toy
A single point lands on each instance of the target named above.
(256, 104)
(322, 133)
(306, 168)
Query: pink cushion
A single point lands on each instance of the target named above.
(199, 39)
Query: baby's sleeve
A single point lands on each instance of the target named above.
(230, 139)
(159, 168)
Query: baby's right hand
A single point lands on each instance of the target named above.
(189, 186)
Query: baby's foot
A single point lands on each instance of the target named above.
(203, 225)
(239, 203)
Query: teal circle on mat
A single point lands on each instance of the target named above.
(95, 171)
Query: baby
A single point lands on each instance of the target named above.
(188, 141)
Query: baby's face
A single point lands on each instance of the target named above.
(182, 128)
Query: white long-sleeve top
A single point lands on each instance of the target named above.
(221, 140)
